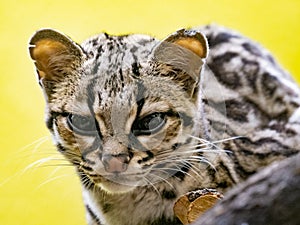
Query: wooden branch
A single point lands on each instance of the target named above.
(193, 204)
(271, 197)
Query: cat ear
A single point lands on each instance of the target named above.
(192, 40)
(55, 55)
(185, 50)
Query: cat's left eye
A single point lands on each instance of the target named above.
(149, 124)
(85, 125)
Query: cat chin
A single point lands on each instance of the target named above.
(116, 188)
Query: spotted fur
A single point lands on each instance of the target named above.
(219, 116)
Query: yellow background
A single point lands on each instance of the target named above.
(42, 194)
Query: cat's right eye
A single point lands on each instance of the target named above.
(84, 125)
(150, 124)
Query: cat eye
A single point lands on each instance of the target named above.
(84, 125)
(149, 124)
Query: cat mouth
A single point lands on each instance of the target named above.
(115, 187)
(124, 182)
(118, 183)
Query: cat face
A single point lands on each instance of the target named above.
(122, 109)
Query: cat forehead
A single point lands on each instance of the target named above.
(113, 65)
(109, 55)
(106, 94)
(122, 42)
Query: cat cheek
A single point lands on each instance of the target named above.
(152, 142)
(63, 130)
(66, 137)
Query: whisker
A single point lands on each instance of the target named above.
(208, 148)
(85, 180)
(40, 162)
(56, 165)
(8, 179)
(201, 150)
(153, 186)
(202, 160)
(37, 144)
(50, 180)
(163, 179)
(193, 168)
(165, 152)
(72, 154)
(214, 142)
(177, 169)
(185, 162)
(54, 172)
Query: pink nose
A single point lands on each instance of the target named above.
(115, 163)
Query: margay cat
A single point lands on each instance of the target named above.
(145, 121)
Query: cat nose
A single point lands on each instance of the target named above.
(115, 163)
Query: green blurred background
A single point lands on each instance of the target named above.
(45, 193)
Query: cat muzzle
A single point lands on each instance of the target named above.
(115, 163)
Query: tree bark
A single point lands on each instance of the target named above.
(270, 197)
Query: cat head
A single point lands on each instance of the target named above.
(122, 109)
